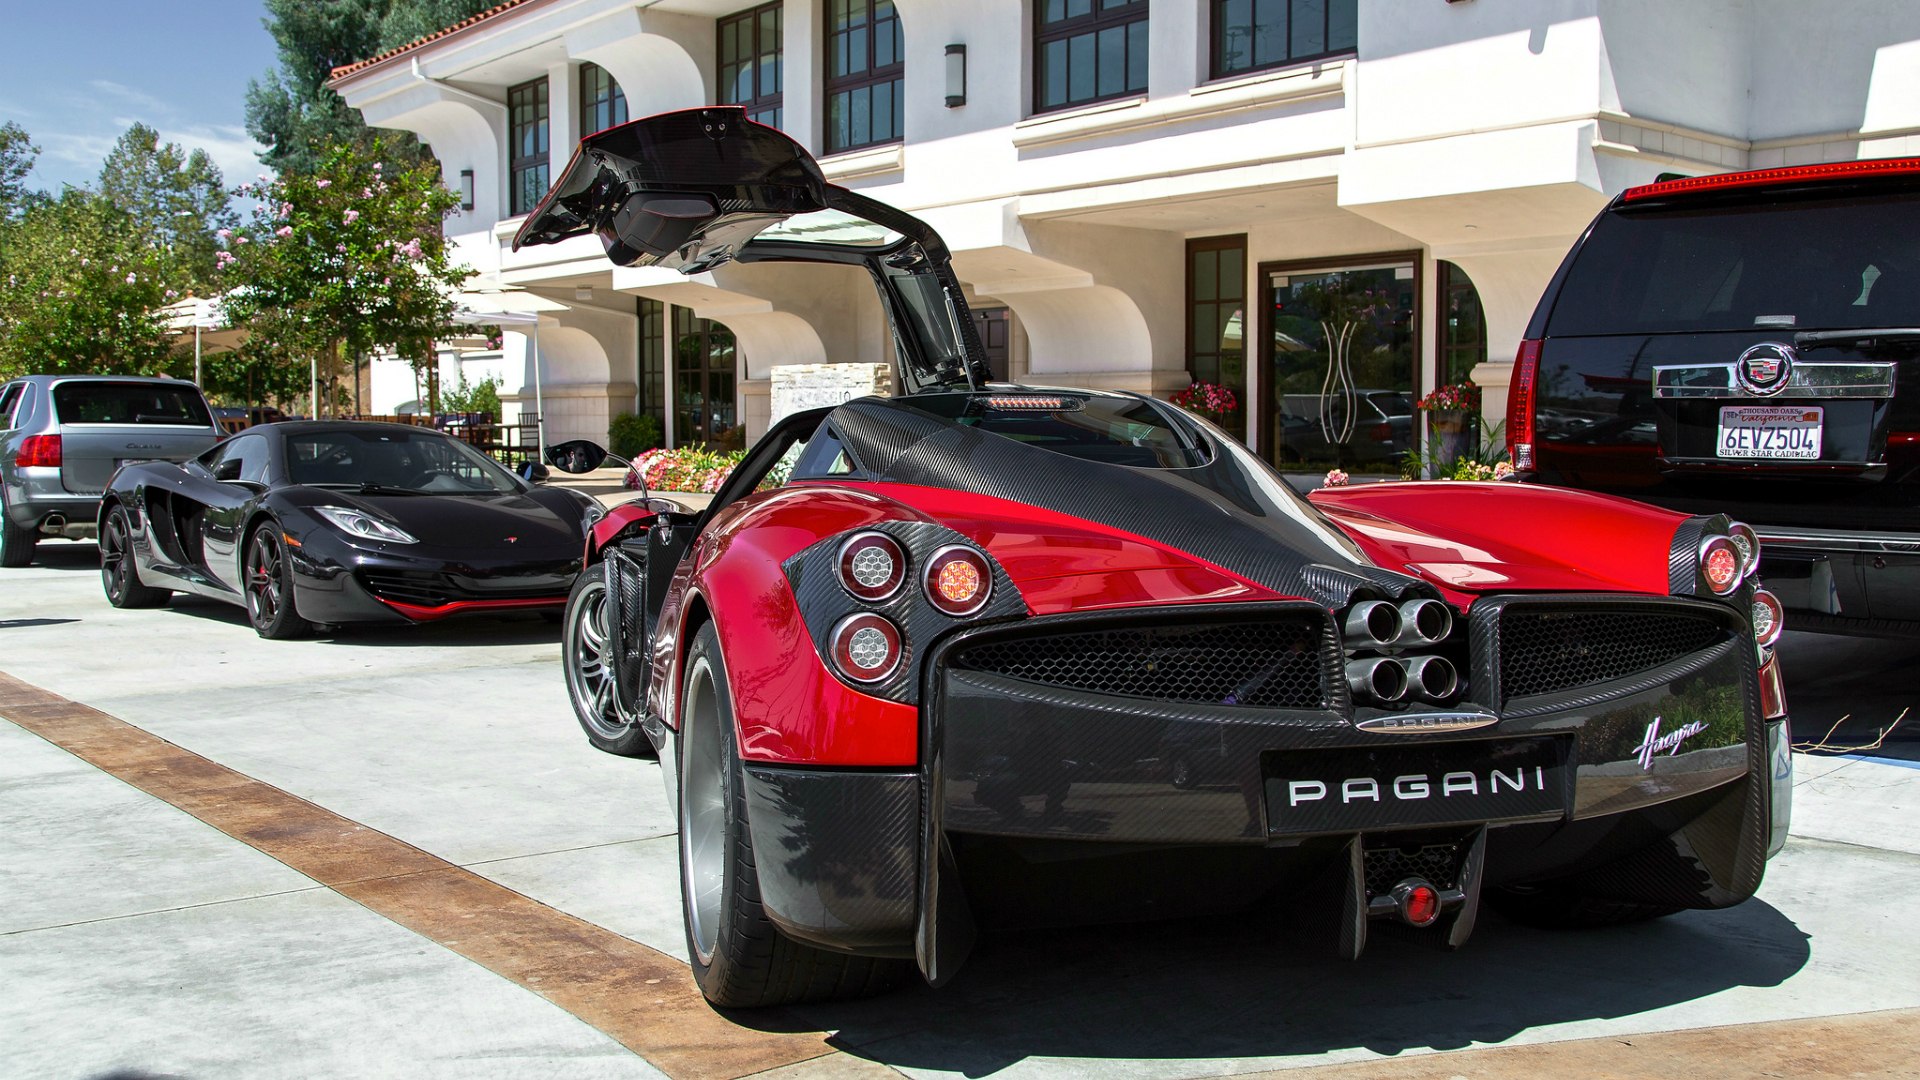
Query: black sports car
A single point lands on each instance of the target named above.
(331, 522)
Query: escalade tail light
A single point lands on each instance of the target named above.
(1526, 372)
(38, 451)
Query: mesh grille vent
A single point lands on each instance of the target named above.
(1275, 665)
(1544, 652)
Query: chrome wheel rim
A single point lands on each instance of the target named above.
(113, 558)
(702, 811)
(263, 579)
(589, 664)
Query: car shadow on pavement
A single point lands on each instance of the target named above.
(1225, 989)
(453, 633)
(67, 555)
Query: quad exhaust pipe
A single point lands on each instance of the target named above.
(1385, 680)
(1378, 624)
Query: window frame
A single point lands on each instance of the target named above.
(541, 158)
(1239, 423)
(869, 76)
(611, 96)
(1097, 19)
(763, 101)
(1216, 22)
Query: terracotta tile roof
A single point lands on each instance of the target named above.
(345, 70)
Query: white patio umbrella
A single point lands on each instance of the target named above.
(201, 316)
(490, 303)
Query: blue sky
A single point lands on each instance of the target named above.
(79, 72)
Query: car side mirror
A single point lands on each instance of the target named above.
(227, 471)
(578, 456)
(534, 473)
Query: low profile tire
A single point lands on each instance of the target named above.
(1550, 909)
(268, 581)
(16, 543)
(740, 959)
(119, 575)
(587, 653)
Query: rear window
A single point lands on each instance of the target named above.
(1119, 431)
(1806, 263)
(130, 403)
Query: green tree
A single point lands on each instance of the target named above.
(17, 155)
(176, 196)
(346, 260)
(80, 287)
(291, 110)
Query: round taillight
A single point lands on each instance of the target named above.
(866, 647)
(872, 566)
(1769, 618)
(1720, 564)
(958, 580)
(1419, 902)
(1747, 542)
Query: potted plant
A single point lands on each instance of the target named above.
(1452, 414)
(1210, 400)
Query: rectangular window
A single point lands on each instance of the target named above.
(527, 146)
(1088, 50)
(750, 62)
(652, 359)
(865, 72)
(1216, 321)
(1253, 35)
(602, 103)
(703, 384)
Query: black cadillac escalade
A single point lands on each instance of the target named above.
(1748, 344)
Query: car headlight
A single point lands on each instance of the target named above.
(364, 525)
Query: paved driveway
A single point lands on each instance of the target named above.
(392, 853)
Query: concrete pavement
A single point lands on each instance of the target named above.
(135, 935)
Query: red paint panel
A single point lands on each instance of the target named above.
(617, 519)
(1475, 538)
(787, 707)
(1037, 547)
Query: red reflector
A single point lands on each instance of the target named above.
(1383, 432)
(1419, 903)
(39, 451)
(1720, 562)
(958, 580)
(1526, 371)
(1773, 690)
(1838, 170)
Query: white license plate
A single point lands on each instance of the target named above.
(1790, 432)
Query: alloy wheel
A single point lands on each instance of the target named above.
(590, 664)
(114, 564)
(263, 579)
(703, 822)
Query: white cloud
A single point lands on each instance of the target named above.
(128, 94)
(229, 146)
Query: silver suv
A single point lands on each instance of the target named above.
(62, 437)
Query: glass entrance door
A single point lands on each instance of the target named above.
(1342, 346)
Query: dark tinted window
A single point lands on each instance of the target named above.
(1119, 431)
(243, 457)
(1792, 265)
(130, 403)
(9, 402)
(381, 457)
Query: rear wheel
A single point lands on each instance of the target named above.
(269, 587)
(587, 650)
(16, 543)
(1555, 910)
(740, 959)
(119, 575)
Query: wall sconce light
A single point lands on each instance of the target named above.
(466, 189)
(956, 76)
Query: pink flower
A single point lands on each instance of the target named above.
(1336, 478)
(284, 230)
(352, 216)
(366, 193)
(131, 280)
(242, 240)
(323, 184)
(378, 166)
(286, 209)
(224, 234)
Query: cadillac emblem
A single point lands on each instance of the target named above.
(1764, 369)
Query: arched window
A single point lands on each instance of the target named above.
(1462, 330)
(602, 103)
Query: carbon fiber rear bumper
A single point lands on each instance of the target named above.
(1591, 791)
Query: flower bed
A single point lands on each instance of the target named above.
(685, 469)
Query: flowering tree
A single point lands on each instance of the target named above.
(343, 261)
(79, 285)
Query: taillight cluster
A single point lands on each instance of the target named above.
(38, 451)
(1390, 631)
(867, 646)
(1520, 393)
(1729, 559)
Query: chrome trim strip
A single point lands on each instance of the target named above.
(1839, 540)
(1418, 723)
(1833, 379)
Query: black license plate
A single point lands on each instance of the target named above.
(1392, 787)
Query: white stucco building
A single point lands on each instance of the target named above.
(1136, 193)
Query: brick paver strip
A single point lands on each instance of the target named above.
(641, 997)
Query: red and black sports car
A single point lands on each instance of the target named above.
(332, 522)
(995, 654)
